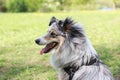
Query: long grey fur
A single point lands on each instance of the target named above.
(77, 50)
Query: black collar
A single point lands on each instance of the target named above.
(70, 70)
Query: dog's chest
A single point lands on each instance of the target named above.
(60, 59)
(55, 62)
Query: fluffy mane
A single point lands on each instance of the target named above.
(77, 42)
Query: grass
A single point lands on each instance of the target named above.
(19, 55)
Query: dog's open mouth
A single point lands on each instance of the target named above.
(49, 47)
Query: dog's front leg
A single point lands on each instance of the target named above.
(62, 75)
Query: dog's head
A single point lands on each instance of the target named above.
(55, 36)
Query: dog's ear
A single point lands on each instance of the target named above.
(53, 19)
(60, 22)
(67, 24)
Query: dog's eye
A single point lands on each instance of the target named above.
(53, 35)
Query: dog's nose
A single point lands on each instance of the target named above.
(37, 41)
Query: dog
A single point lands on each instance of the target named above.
(73, 56)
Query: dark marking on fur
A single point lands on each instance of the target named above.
(53, 19)
(70, 70)
(76, 32)
(92, 61)
(67, 24)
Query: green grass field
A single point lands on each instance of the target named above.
(19, 55)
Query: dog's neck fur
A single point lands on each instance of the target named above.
(83, 49)
(75, 50)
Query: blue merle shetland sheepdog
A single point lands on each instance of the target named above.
(72, 56)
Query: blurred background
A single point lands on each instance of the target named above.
(57, 5)
(22, 21)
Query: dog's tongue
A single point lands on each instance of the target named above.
(47, 48)
(42, 51)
